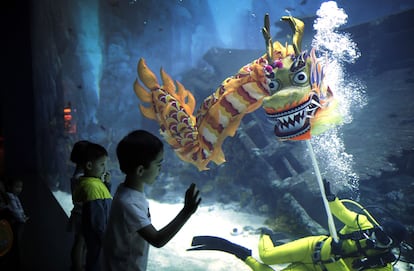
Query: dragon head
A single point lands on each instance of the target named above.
(300, 104)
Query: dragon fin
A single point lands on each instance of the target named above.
(184, 94)
(147, 76)
(148, 112)
(168, 83)
(141, 93)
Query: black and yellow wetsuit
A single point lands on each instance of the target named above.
(317, 253)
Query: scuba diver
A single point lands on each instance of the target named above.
(363, 245)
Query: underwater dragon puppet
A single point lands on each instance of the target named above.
(286, 81)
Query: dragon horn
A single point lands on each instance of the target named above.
(268, 38)
(297, 27)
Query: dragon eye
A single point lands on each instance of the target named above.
(273, 85)
(300, 78)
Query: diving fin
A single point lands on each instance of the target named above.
(220, 244)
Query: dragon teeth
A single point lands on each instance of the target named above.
(292, 120)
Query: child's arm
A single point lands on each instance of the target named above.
(163, 236)
(16, 208)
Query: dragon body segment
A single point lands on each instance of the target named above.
(286, 82)
(198, 139)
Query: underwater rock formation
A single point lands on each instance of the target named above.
(303, 219)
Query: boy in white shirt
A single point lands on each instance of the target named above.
(129, 231)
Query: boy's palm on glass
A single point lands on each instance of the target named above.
(192, 199)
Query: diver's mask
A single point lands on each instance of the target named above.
(389, 234)
(380, 239)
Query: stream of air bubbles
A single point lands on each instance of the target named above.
(337, 48)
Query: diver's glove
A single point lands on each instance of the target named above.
(329, 195)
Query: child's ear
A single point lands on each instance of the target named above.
(88, 165)
(140, 170)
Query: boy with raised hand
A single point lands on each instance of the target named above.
(96, 200)
(130, 231)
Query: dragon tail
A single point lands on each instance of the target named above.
(198, 140)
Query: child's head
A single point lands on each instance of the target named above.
(14, 185)
(95, 159)
(78, 153)
(139, 149)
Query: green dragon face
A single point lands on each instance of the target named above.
(298, 98)
(300, 104)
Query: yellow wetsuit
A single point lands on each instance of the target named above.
(315, 252)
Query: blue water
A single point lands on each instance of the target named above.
(91, 59)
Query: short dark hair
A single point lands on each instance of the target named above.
(138, 148)
(93, 152)
(78, 152)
